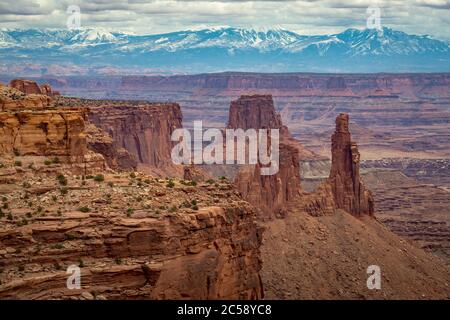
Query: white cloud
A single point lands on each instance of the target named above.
(158, 16)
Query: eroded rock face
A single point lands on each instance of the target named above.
(117, 158)
(47, 90)
(201, 252)
(41, 130)
(349, 192)
(144, 131)
(270, 193)
(26, 86)
(255, 112)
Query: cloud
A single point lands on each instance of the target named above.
(159, 16)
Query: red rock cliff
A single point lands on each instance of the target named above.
(349, 192)
(268, 193)
(144, 131)
(30, 125)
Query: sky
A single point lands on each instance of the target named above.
(307, 17)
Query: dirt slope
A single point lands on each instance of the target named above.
(327, 257)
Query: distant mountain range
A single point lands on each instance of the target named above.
(225, 49)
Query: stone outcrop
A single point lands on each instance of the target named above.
(47, 90)
(12, 99)
(349, 192)
(258, 112)
(143, 130)
(31, 87)
(255, 112)
(40, 130)
(195, 173)
(26, 86)
(270, 193)
(116, 158)
(143, 250)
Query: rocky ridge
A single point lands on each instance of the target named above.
(132, 235)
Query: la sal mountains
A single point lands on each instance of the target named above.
(225, 48)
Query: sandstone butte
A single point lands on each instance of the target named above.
(71, 196)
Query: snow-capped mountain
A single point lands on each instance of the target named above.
(227, 48)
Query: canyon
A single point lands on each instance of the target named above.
(139, 227)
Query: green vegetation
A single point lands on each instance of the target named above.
(99, 178)
(62, 180)
(84, 209)
(17, 163)
(170, 184)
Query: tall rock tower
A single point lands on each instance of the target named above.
(349, 192)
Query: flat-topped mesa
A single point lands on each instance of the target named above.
(255, 112)
(26, 86)
(348, 190)
(31, 87)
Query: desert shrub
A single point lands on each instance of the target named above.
(99, 178)
(170, 184)
(84, 209)
(17, 163)
(56, 160)
(132, 175)
(110, 184)
(47, 162)
(210, 181)
(195, 207)
(62, 180)
(64, 191)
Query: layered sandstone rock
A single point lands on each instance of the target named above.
(47, 90)
(258, 112)
(117, 158)
(41, 130)
(26, 86)
(12, 99)
(143, 130)
(31, 87)
(270, 193)
(349, 192)
(158, 247)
